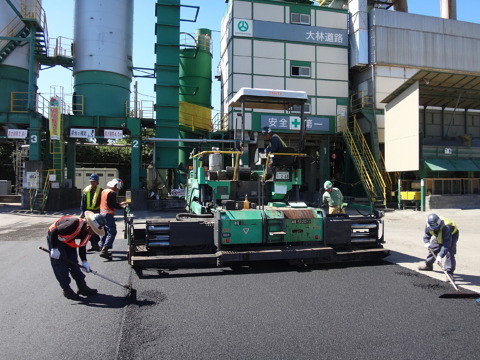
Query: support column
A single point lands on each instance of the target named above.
(134, 126)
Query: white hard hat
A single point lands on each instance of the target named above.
(115, 182)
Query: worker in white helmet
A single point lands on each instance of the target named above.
(108, 207)
(333, 197)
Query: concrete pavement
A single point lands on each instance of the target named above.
(404, 232)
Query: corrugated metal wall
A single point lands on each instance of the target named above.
(422, 41)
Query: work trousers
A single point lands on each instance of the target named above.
(335, 210)
(110, 232)
(95, 239)
(450, 263)
(63, 269)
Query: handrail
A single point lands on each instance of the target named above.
(360, 164)
(19, 103)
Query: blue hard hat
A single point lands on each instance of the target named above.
(94, 177)
(434, 222)
(266, 130)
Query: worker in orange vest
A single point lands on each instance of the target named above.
(108, 207)
(61, 238)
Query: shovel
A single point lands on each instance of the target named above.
(458, 293)
(132, 293)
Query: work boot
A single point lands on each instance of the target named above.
(426, 267)
(70, 294)
(85, 290)
(94, 247)
(105, 254)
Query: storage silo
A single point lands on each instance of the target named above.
(103, 46)
(195, 79)
(14, 59)
(196, 70)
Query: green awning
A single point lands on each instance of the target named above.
(451, 165)
(465, 165)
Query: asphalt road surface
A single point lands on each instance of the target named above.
(360, 311)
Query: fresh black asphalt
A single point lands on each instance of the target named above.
(359, 311)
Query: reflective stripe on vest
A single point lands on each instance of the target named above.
(280, 139)
(88, 197)
(104, 209)
(70, 239)
(446, 222)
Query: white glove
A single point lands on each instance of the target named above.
(55, 253)
(439, 260)
(427, 245)
(86, 266)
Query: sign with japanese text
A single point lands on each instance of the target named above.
(55, 119)
(82, 133)
(293, 123)
(17, 134)
(112, 134)
(300, 33)
(32, 180)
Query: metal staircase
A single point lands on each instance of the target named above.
(370, 175)
(31, 18)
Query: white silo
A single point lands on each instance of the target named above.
(103, 48)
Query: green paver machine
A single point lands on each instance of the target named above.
(240, 216)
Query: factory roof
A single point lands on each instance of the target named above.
(444, 89)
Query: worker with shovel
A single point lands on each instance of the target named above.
(443, 244)
(63, 250)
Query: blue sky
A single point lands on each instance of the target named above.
(60, 23)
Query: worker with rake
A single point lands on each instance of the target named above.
(61, 238)
(440, 238)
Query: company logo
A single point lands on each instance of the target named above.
(242, 26)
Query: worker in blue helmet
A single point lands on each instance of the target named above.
(90, 201)
(333, 198)
(441, 236)
(276, 144)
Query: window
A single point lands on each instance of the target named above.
(303, 71)
(303, 19)
(298, 108)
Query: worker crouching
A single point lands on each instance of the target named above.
(61, 239)
(441, 237)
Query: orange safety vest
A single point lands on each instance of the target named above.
(104, 209)
(70, 238)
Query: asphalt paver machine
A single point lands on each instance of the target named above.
(237, 215)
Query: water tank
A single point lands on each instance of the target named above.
(103, 46)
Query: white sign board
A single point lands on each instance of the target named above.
(177, 192)
(82, 133)
(17, 134)
(112, 134)
(33, 180)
